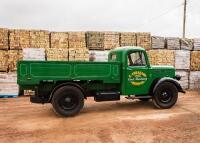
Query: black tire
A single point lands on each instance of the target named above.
(165, 95)
(144, 99)
(67, 101)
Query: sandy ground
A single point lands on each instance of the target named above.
(125, 121)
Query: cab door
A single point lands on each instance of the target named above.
(137, 73)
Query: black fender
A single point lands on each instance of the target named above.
(64, 84)
(167, 79)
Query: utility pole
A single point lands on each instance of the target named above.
(184, 17)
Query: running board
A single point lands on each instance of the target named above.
(138, 97)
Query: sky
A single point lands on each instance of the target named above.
(160, 17)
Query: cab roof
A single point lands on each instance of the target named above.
(127, 48)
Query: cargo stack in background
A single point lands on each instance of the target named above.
(8, 84)
(111, 40)
(77, 47)
(162, 57)
(128, 39)
(39, 39)
(95, 40)
(4, 49)
(57, 54)
(186, 44)
(144, 40)
(197, 44)
(157, 42)
(59, 40)
(182, 66)
(173, 43)
(33, 54)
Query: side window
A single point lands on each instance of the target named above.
(136, 59)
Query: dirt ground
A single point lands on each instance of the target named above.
(125, 121)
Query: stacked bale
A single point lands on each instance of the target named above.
(57, 54)
(39, 39)
(197, 44)
(173, 43)
(195, 60)
(184, 81)
(186, 44)
(161, 57)
(111, 40)
(34, 54)
(194, 80)
(182, 59)
(77, 40)
(59, 40)
(127, 39)
(72, 53)
(81, 55)
(157, 42)
(3, 60)
(95, 40)
(144, 40)
(101, 56)
(3, 39)
(8, 83)
(19, 39)
(13, 57)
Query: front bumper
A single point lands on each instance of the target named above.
(36, 99)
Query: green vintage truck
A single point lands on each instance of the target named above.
(127, 73)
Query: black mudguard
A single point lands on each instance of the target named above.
(167, 79)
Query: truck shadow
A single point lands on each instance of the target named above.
(117, 106)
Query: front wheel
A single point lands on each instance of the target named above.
(67, 101)
(165, 95)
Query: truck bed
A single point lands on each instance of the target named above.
(33, 72)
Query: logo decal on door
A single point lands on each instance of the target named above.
(137, 78)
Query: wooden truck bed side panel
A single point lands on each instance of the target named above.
(32, 72)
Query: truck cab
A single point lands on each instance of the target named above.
(127, 73)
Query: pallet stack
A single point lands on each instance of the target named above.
(95, 40)
(59, 40)
(127, 39)
(144, 40)
(111, 40)
(162, 57)
(173, 43)
(157, 42)
(186, 44)
(39, 39)
(33, 54)
(57, 54)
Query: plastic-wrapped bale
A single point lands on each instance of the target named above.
(194, 82)
(95, 40)
(14, 57)
(3, 60)
(157, 42)
(111, 40)
(59, 40)
(101, 56)
(77, 40)
(34, 54)
(173, 43)
(144, 40)
(127, 39)
(19, 39)
(81, 54)
(195, 61)
(184, 81)
(186, 44)
(162, 57)
(39, 39)
(197, 44)
(8, 83)
(3, 38)
(57, 54)
(182, 59)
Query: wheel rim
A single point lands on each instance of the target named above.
(68, 102)
(165, 96)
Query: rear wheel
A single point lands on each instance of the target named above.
(67, 101)
(165, 95)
